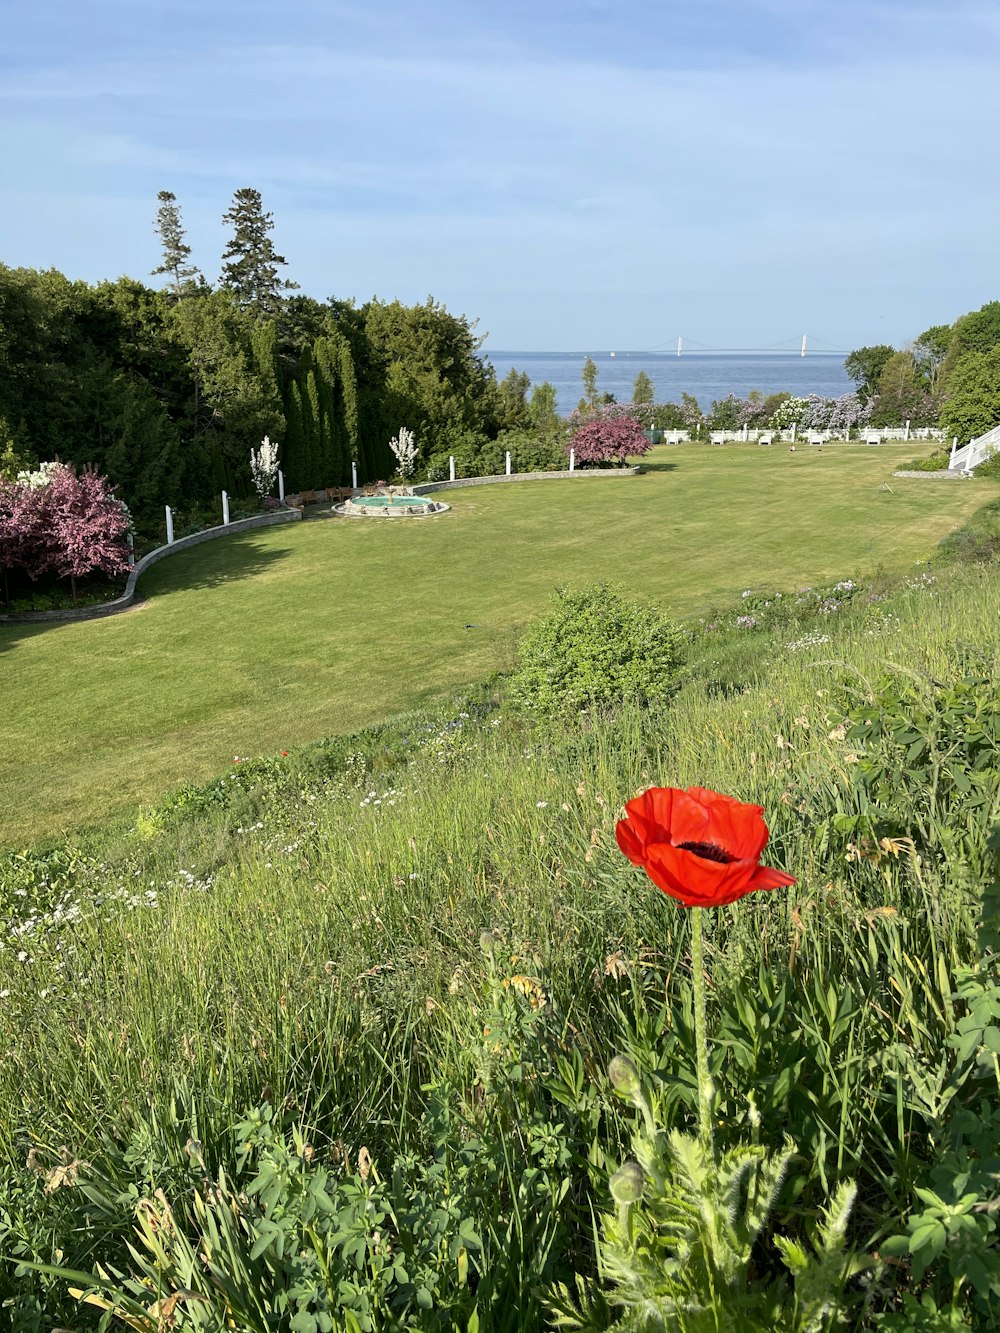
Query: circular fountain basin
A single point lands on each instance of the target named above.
(389, 506)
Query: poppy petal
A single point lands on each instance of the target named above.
(673, 835)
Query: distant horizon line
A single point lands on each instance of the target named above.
(700, 352)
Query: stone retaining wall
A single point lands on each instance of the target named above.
(123, 602)
(941, 474)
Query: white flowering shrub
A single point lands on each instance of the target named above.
(792, 412)
(42, 475)
(264, 467)
(404, 448)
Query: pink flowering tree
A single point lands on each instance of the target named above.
(64, 523)
(608, 438)
(23, 541)
(88, 526)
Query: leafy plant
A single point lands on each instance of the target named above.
(597, 649)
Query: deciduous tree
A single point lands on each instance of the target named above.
(865, 364)
(608, 437)
(87, 525)
(972, 406)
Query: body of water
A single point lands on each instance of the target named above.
(707, 376)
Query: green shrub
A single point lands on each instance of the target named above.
(598, 649)
(936, 462)
(533, 451)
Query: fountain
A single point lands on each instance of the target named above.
(389, 503)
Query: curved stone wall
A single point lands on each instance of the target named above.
(123, 602)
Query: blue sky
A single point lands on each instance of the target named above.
(578, 175)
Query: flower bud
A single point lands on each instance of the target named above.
(486, 941)
(628, 1183)
(624, 1076)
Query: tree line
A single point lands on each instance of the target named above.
(166, 390)
(948, 376)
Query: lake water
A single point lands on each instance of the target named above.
(706, 375)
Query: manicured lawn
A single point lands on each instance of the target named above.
(269, 639)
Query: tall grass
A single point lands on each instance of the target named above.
(307, 934)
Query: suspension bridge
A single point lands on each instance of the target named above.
(789, 346)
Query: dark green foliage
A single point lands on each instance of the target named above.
(168, 396)
(513, 395)
(425, 375)
(865, 365)
(598, 649)
(542, 407)
(979, 331)
(250, 262)
(642, 389)
(176, 251)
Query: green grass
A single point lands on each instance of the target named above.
(265, 641)
(300, 937)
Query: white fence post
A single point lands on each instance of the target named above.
(170, 526)
(508, 462)
(354, 476)
(225, 509)
(281, 486)
(793, 432)
(451, 467)
(906, 431)
(954, 449)
(572, 459)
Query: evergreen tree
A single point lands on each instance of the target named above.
(312, 411)
(250, 262)
(542, 408)
(642, 389)
(294, 452)
(349, 394)
(176, 251)
(589, 375)
(513, 391)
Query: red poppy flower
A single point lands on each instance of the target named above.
(698, 846)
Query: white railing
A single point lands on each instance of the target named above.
(975, 452)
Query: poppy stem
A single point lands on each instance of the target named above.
(706, 1088)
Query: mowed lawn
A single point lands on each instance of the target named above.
(265, 640)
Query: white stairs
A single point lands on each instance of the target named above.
(975, 452)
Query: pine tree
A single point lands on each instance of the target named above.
(250, 262)
(176, 251)
(642, 389)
